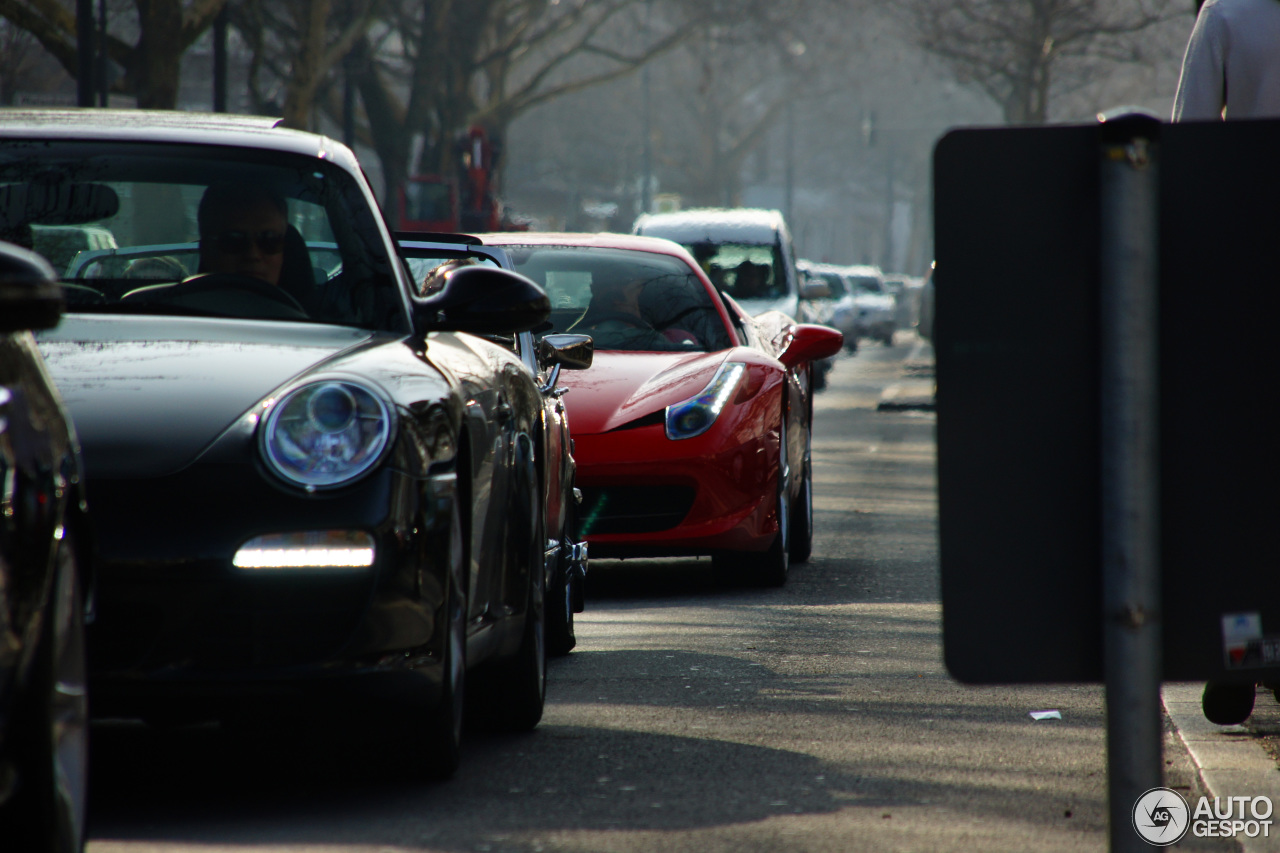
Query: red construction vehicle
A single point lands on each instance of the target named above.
(465, 201)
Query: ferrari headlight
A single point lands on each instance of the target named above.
(326, 434)
(696, 415)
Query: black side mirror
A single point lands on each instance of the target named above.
(484, 301)
(30, 297)
(571, 352)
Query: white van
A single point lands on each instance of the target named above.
(747, 253)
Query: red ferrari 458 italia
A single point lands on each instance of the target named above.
(692, 426)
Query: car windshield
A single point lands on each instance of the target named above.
(626, 300)
(743, 270)
(279, 236)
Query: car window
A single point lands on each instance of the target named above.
(867, 284)
(626, 300)
(743, 270)
(835, 282)
(120, 223)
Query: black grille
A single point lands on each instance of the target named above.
(634, 509)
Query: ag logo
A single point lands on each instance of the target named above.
(1161, 816)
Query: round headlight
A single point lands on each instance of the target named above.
(326, 434)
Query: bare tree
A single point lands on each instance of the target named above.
(22, 63)
(295, 46)
(152, 62)
(1024, 53)
(432, 68)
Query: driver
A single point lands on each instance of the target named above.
(242, 230)
(616, 320)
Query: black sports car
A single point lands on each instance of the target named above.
(430, 256)
(312, 483)
(43, 580)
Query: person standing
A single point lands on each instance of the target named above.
(1231, 69)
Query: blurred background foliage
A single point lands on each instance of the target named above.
(598, 109)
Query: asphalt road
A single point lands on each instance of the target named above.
(693, 716)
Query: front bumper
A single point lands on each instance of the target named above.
(645, 495)
(177, 621)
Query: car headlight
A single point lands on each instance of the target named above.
(696, 415)
(326, 434)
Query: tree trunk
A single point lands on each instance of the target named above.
(158, 57)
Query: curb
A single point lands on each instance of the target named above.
(1227, 759)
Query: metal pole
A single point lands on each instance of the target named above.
(220, 61)
(646, 143)
(1128, 182)
(84, 53)
(102, 83)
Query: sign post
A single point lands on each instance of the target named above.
(1129, 417)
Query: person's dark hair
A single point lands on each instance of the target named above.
(228, 196)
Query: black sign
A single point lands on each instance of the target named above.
(1017, 342)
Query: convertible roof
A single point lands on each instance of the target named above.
(176, 126)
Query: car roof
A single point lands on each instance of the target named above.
(601, 240)
(714, 225)
(177, 126)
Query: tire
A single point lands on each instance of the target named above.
(428, 737)
(515, 690)
(1227, 704)
(801, 545)
(50, 729)
(560, 598)
(564, 595)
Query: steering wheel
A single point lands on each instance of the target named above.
(195, 292)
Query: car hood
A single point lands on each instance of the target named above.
(621, 387)
(149, 394)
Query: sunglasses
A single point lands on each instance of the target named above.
(239, 242)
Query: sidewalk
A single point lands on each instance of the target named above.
(915, 390)
(1230, 760)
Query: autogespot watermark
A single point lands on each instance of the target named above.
(1162, 817)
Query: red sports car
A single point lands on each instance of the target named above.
(692, 427)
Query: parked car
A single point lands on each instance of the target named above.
(428, 255)
(837, 288)
(317, 490)
(44, 579)
(692, 426)
(868, 310)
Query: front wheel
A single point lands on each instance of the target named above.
(50, 731)
(772, 566)
(428, 738)
(515, 690)
(802, 514)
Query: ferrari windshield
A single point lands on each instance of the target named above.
(184, 229)
(626, 300)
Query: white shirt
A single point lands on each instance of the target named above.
(1232, 65)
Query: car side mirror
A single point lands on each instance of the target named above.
(804, 342)
(484, 301)
(30, 296)
(571, 352)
